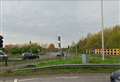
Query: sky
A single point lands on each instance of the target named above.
(42, 21)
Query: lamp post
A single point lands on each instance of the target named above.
(102, 26)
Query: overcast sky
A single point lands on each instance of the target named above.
(42, 21)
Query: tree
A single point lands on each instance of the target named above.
(92, 41)
(51, 47)
(19, 49)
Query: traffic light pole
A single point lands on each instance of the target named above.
(6, 61)
(1, 35)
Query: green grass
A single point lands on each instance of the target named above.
(93, 59)
(108, 59)
(73, 60)
(50, 71)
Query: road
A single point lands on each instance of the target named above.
(15, 63)
(67, 78)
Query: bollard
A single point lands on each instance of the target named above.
(15, 80)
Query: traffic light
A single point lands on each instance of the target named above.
(59, 38)
(59, 41)
(1, 41)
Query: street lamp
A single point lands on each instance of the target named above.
(102, 26)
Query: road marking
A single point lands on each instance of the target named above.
(68, 77)
(15, 80)
(63, 77)
(29, 79)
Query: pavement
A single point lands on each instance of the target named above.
(97, 77)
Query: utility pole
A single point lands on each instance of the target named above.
(102, 26)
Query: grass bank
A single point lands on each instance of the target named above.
(50, 71)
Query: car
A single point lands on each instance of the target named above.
(60, 54)
(3, 56)
(115, 77)
(29, 56)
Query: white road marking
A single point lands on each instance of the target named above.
(67, 77)
(63, 77)
(15, 80)
(29, 79)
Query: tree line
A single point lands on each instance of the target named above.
(93, 41)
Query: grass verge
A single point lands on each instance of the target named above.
(51, 71)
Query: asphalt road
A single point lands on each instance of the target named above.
(67, 78)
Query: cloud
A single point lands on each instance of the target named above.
(42, 21)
